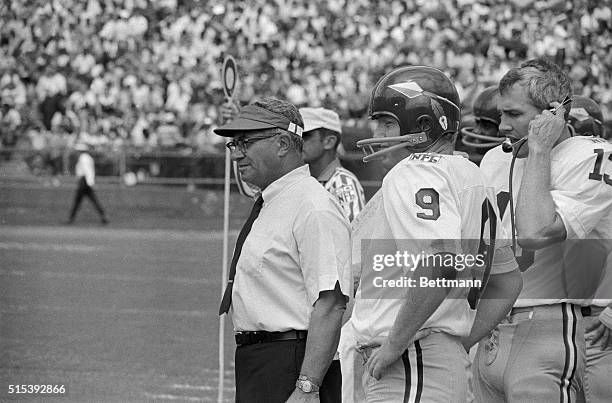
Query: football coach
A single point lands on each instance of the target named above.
(289, 278)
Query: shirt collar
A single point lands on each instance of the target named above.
(285, 181)
(329, 170)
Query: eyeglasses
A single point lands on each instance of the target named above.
(242, 144)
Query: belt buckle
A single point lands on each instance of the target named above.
(241, 338)
(256, 337)
(246, 338)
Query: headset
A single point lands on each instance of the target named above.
(508, 146)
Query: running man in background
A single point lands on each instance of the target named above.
(85, 171)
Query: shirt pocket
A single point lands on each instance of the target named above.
(252, 255)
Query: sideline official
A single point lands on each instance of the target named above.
(85, 171)
(290, 278)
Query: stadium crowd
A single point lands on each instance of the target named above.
(147, 73)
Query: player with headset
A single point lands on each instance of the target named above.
(552, 190)
(585, 119)
(484, 135)
(411, 337)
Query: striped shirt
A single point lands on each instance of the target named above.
(345, 186)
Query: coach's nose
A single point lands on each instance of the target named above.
(236, 154)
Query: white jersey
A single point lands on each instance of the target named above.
(437, 199)
(581, 189)
(85, 168)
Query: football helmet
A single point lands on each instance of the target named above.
(585, 117)
(425, 103)
(484, 135)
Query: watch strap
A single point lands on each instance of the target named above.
(306, 384)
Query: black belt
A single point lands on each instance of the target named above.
(246, 338)
(591, 310)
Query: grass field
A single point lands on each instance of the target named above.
(121, 313)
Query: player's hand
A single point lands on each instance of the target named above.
(229, 111)
(600, 332)
(380, 359)
(298, 397)
(546, 128)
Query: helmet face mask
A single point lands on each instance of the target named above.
(422, 100)
(484, 135)
(375, 148)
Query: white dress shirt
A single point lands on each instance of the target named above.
(299, 246)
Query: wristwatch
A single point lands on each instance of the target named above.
(306, 385)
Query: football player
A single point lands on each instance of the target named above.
(431, 202)
(585, 117)
(484, 135)
(552, 190)
(598, 336)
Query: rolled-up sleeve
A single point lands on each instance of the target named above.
(323, 242)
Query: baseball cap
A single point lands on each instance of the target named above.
(320, 118)
(253, 117)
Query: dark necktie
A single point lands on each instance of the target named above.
(246, 228)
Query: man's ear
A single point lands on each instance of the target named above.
(285, 144)
(330, 142)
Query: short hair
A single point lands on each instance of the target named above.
(544, 80)
(297, 143)
(288, 110)
(324, 132)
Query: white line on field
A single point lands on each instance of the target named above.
(48, 247)
(19, 273)
(12, 309)
(216, 371)
(174, 397)
(193, 387)
(111, 233)
(110, 277)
